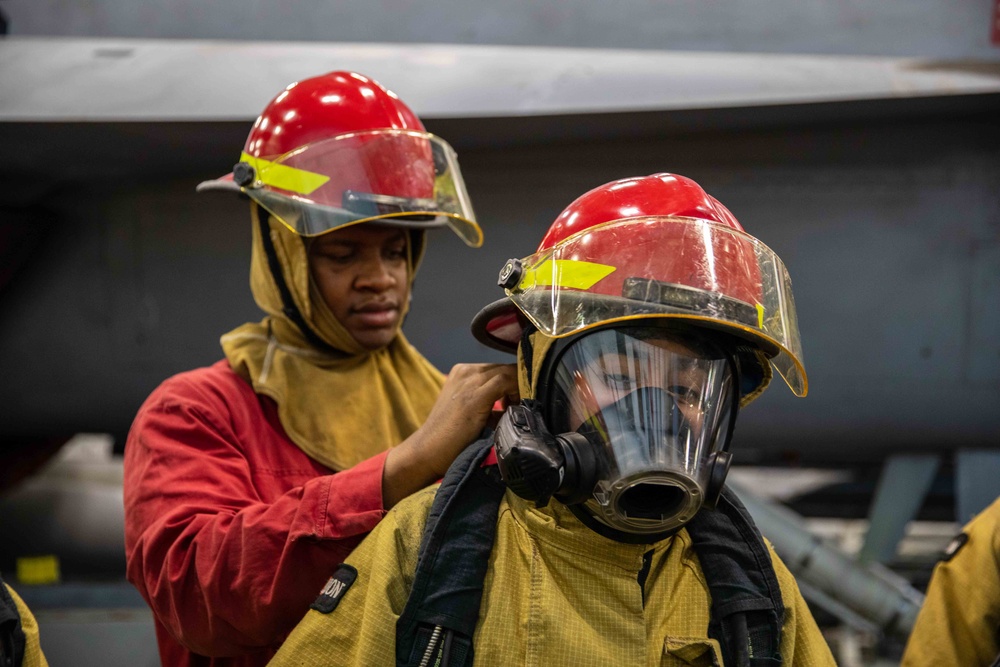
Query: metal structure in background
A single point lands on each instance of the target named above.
(865, 596)
(953, 30)
(904, 482)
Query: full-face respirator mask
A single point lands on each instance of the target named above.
(630, 429)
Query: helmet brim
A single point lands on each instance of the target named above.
(499, 325)
(227, 183)
(224, 183)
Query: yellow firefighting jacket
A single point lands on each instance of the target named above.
(556, 593)
(960, 619)
(32, 656)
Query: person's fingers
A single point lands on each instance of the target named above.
(465, 407)
(505, 375)
(479, 381)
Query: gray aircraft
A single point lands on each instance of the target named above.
(874, 178)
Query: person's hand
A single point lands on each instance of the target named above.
(464, 407)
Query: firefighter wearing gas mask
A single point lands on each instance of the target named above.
(601, 532)
(641, 336)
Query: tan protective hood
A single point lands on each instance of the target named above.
(341, 406)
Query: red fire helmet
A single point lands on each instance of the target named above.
(339, 149)
(655, 246)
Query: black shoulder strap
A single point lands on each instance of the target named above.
(440, 616)
(11, 633)
(747, 610)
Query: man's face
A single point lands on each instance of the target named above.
(363, 274)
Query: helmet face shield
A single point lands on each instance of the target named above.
(406, 177)
(665, 267)
(655, 405)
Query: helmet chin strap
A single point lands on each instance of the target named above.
(723, 459)
(290, 310)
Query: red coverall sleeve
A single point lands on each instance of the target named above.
(225, 570)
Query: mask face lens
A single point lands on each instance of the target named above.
(655, 405)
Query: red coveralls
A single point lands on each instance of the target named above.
(230, 529)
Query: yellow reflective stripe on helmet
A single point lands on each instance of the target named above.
(566, 273)
(283, 177)
(760, 316)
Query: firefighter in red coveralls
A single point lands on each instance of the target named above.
(246, 482)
